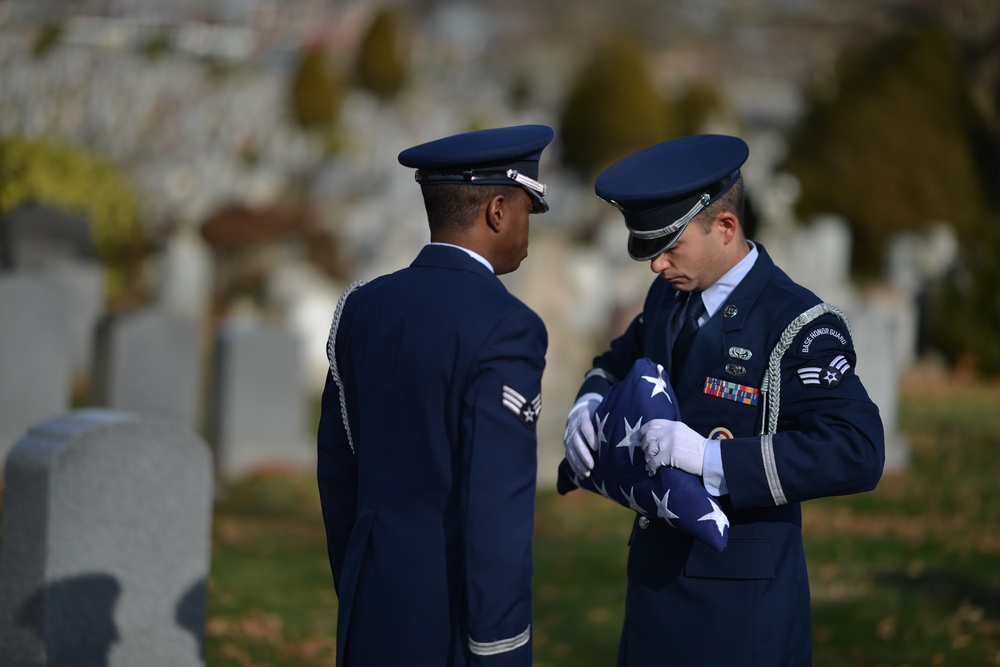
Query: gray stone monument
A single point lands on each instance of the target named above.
(148, 361)
(105, 552)
(35, 378)
(186, 274)
(258, 416)
(32, 236)
(876, 334)
(83, 286)
(58, 247)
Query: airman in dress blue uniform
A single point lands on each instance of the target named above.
(427, 447)
(773, 414)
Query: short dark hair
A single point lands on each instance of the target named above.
(456, 205)
(733, 201)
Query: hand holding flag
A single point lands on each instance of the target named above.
(644, 404)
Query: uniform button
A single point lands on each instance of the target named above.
(644, 522)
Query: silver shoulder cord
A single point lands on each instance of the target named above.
(331, 354)
(771, 386)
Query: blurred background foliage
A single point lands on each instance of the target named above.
(47, 170)
(965, 305)
(905, 133)
(46, 39)
(896, 141)
(318, 89)
(612, 109)
(380, 66)
(889, 144)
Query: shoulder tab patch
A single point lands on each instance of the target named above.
(527, 411)
(820, 332)
(829, 376)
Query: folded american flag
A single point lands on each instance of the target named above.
(674, 496)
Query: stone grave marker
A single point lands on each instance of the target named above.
(258, 414)
(35, 377)
(876, 332)
(148, 361)
(106, 543)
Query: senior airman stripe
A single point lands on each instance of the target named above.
(513, 400)
(517, 404)
(501, 645)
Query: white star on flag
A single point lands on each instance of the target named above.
(659, 384)
(631, 439)
(673, 499)
(716, 515)
(630, 497)
(662, 510)
(601, 438)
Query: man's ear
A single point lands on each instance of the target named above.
(495, 211)
(729, 224)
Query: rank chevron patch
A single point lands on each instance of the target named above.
(527, 412)
(829, 376)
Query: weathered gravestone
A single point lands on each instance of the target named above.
(185, 281)
(83, 287)
(35, 378)
(258, 415)
(820, 258)
(105, 551)
(876, 332)
(58, 247)
(33, 236)
(148, 361)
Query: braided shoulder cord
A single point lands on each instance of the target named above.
(771, 386)
(331, 354)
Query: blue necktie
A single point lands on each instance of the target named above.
(693, 310)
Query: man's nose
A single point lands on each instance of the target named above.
(659, 263)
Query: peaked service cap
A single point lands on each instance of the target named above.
(660, 189)
(498, 156)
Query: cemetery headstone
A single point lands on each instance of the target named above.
(875, 330)
(83, 286)
(106, 536)
(35, 236)
(35, 378)
(58, 246)
(148, 361)
(186, 275)
(258, 400)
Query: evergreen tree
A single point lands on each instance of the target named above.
(47, 171)
(890, 149)
(612, 109)
(964, 308)
(316, 92)
(381, 62)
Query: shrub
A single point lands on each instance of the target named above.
(49, 171)
(612, 109)
(381, 63)
(891, 149)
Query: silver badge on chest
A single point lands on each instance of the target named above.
(736, 370)
(740, 353)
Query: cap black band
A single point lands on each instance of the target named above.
(529, 169)
(663, 217)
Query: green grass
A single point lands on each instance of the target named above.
(906, 575)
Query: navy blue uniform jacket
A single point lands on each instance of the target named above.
(429, 521)
(749, 605)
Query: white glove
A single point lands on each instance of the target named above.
(580, 437)
(672, 443)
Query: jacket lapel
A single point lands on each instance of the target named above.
(710, 344)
